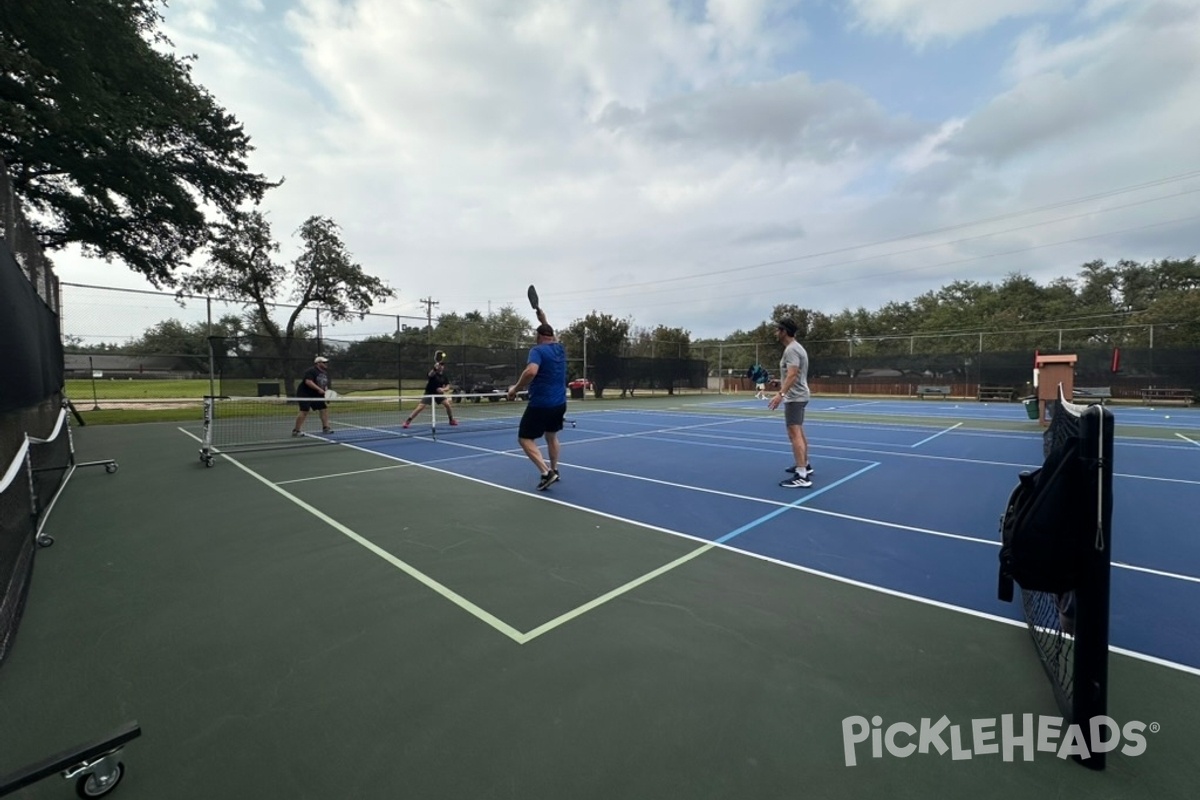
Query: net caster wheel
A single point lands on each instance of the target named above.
(94, 785)
(110, 468)
(208, 461)
(45, 540)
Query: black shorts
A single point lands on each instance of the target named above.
(313, 405)
(536, 422)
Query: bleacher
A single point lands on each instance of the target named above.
(1088, 394)
(1154, 394)
(994, 392)
(933, 391)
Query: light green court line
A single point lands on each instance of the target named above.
(343, 474)
(620, 590)
(445, 591)
(454, 597)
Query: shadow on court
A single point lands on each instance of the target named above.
(306, 628)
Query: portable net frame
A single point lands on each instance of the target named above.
(29, 487)
(245, 424)
(1070, 629)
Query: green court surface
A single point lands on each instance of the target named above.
(404, 632)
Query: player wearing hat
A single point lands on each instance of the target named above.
(546, 376)
(435, 389)
(315, 385)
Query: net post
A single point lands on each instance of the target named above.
(1092, 596)
(207, 440)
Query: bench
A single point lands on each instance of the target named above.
(1153, 394)
(933, 391)
(1100, 393)
(989, 392)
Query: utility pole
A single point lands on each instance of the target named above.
(429, 304)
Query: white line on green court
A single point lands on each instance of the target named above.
(445, 591)
(1186, 439)
(620, 590)
(343, 474)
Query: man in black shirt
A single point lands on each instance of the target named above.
(313, 385)
(434, 389)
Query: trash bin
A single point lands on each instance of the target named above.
(576, 392)
(1031, 407)
(268, 390)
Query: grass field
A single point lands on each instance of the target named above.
(109, 389)
(80, 391)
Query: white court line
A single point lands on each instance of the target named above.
(522, 638)
(1186, 439)
(342, 474)
(936, 435)
(445, 591)
(562, 619)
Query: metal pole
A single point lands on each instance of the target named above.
(399, 361)
(585, 371)
(1060, 338)
(212, 361)
(92, 369)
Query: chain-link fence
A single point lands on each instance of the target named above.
(126, 334)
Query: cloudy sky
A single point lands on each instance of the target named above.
(694, 163)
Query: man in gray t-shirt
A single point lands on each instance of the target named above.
(794, 396)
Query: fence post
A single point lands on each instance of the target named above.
(212, 361)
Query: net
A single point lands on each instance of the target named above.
(239, 424)
(29, 486)
(1070, 629)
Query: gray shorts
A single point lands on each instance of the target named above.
(793, 413)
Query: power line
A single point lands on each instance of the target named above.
(954, 262)
(892, 240)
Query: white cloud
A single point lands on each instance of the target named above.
(644, 158)
(922, 22)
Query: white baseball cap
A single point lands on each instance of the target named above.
(320, 360)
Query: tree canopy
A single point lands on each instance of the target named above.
(241, 267)
(109, 142)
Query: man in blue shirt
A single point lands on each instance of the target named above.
(546, 377)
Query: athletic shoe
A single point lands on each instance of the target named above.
(808, 471)
(452, 422)
(406, 423)
(556, 475)
(326, 430)
(295, 433)
(796, 482)
(547, 479)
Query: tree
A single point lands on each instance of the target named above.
(324, 276)
(109, 143)
(661, 342)
(605, 339)
(504, 327)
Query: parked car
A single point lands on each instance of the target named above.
(486, 388)
(580, 383)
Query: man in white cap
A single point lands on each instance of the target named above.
(313, 385)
